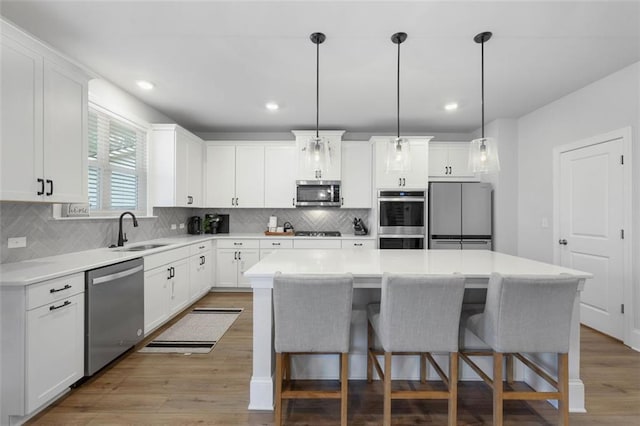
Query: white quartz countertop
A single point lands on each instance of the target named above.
(373, 263)
(36, 270)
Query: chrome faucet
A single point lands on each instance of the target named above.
(123, 239)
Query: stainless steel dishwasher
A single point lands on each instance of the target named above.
(114, 313)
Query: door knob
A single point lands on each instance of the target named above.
(563, 242)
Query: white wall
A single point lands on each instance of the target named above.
(608, 104)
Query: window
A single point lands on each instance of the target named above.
(117, 175)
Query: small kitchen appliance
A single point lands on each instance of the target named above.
(318, 193)
(195, 225)
(216, 223)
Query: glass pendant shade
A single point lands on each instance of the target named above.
(318, 153)
(483, 156)
(398, 155)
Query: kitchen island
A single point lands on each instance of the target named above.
(367, 267)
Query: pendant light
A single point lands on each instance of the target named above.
(318, 149)
(398, 151)
(483, 152)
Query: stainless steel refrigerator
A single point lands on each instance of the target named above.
(460, 215)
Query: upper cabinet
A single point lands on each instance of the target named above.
(356, 188)
(449, 161)
(43, 151)
(316, 165)
(176, 167)
(235, 175)
(280, 176)
(416, 177)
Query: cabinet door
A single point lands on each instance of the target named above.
(220, 183)
(356, 189)
(182, 166)
(65, 134)
(418, 176)
(179, 286)
(459, 160)
(385, 179)
(279, 176)
(226, 268)
(438, 160)
(156, 297)
(194, 173)
(55, 349)
(247, 258)
(250, 176)
(206, 272)
(20, 122)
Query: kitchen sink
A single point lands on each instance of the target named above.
(141, 247)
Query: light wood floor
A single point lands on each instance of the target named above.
(213, 389)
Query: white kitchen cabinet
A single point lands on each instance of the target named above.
(356, 189)
(175, 171)
(416, 177)
(201, 274)
(235, 176)
(359, 244)
(44, 324)
(449, 161)
(166, 286)
(233, 258)
(43, 123)
(280, 176)
(329, 170)
(269, 246)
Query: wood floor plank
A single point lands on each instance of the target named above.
(213, 389)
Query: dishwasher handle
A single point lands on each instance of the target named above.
(118, 275)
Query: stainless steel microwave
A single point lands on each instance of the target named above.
(324, 193)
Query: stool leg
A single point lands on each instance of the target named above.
(344, 386)
(387, 390)
(509, 371)
(370, 338)
(423, 368)
(497, 389)
(278, 412)
(563, 388)
(453, 388)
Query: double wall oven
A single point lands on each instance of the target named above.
(401, 217)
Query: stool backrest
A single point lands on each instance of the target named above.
(529, 313)
(312, 313)
(420, 313)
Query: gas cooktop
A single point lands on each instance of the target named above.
(317, 233)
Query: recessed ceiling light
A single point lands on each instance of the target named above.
(145, 85)
(451, 106)
(272, 106)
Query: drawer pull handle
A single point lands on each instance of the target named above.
(237, 244)
(55, 290)
(53, 307)
(276, 244)
(357, 244)
(201, 247)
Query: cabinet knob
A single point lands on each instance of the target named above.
(562, 242)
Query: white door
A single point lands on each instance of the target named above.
(194, 185)
(591, 223)
(418, 176)
(438, 159)
(247, 258)
(227, 268)
(356, 175)
(280, 176)
(182, 170)
(221, 168)
(249, 176)
(156, 297)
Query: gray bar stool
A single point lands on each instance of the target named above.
(417, 315)
(525, 314)
(312, 315)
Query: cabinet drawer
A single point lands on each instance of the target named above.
(317, 244)
(200, 247)
(367, 244)
(238, 244)
(54, 290)
(169, 256)
(276, 244)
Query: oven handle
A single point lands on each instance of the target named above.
(112, 277)
(400, 236)
(407, 199)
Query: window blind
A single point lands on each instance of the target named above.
(117, 174)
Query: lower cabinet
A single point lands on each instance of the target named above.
(166, 286)
(201, 273)
(362, 244)
(42, 351)
(233, 258)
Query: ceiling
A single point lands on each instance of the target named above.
(216, 63)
